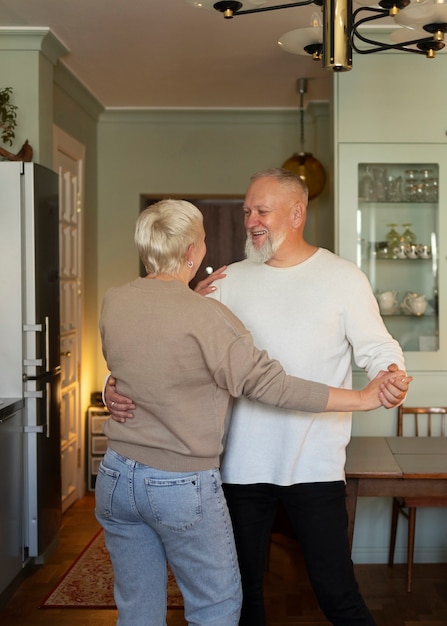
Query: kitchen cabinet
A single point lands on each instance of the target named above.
(96, 442)
(11, 489)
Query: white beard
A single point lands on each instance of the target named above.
(266, 251)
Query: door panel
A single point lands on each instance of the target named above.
(69, 162)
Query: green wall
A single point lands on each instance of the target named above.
(192, 152)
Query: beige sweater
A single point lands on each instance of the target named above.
(180, 357)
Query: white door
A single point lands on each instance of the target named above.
(69, 163)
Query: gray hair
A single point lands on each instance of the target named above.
(286, 178)
(164, 232)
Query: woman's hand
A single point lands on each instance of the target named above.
(204, 287)
(387, 389)
(119, 406)
(390, 388)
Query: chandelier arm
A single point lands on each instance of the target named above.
(278, 6)
(380, 12)
(380, 47)
(403, 45)
(384, 47)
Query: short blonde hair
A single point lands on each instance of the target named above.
(163, 233)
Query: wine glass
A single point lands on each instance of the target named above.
(393, 240)
(408, 236)
(366, 186)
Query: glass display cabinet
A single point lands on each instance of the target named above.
(397, 247)
(389, 225)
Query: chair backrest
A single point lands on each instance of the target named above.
(421, 421)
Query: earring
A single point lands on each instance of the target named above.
(189, 263)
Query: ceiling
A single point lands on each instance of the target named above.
(165, 53)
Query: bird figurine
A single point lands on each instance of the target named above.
(24, 154)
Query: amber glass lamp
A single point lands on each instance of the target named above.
(303, 163)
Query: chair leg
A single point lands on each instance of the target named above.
(394, 520)
(410, 550)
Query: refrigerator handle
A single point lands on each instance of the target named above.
(47, 342)
(47, 409)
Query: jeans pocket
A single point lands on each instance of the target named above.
(176, 503)
(106, 483)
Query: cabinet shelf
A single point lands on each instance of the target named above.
(408, 315)
(405, 204)
(375, 258)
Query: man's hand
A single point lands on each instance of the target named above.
(120, 407)
(204, 287)
(394, 391)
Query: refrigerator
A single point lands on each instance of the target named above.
(30, 338)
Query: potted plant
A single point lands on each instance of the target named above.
(8, 123)
(8, 116)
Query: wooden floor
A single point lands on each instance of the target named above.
(289, 598)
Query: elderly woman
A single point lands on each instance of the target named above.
(180, 357)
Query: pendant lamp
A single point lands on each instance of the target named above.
(304, 164)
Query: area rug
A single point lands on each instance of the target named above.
(88, 583)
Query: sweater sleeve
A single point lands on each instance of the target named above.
(373, 346)
(246, 371)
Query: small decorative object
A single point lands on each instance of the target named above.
(413, 304)
(424, 251)
(387, 302)
(401, 251)
(8, 123)
(412, 251)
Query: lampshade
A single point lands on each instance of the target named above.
(418, 14)
(300, 40)
(309, 169)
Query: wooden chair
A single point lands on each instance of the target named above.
(419, 422)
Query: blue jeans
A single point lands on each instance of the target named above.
(317, 512)
(150, 517)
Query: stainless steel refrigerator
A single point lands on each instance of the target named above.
(30, 339)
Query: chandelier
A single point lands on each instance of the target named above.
(332, 37)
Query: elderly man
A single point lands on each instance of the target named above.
(313, 311)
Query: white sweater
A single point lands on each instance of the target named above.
(313, 317)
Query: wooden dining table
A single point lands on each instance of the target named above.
(394, 466)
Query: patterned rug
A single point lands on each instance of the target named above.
(88, 584)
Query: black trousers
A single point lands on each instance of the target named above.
(317, 513)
